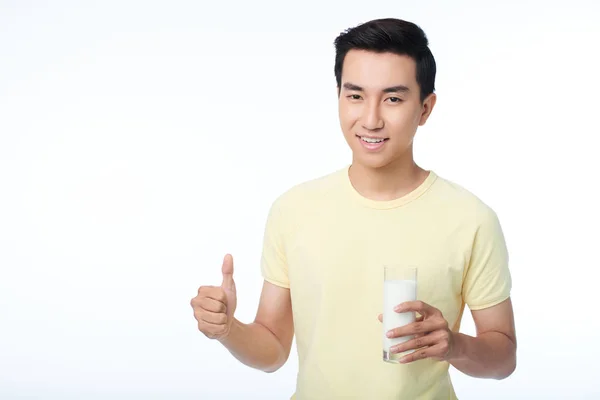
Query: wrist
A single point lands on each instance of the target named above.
(231, 331)
(458, 347)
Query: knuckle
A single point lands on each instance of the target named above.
(207, 330)
(197, 302)
(208, 304)
(203, 303)
(422, 354)
(418, 326)
(419, 342)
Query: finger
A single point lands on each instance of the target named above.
(227, 270)
(418, 319)
(417, 306)
(427, 352)
(211, 330)
(212, 292)
(417, 327)
(418, 335)
(212, 305)
(416, 343)
(213, 318)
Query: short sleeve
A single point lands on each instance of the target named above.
(273, 263)
(488, 279)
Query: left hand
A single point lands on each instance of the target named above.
(433, 339)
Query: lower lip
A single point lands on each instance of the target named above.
(371, 146)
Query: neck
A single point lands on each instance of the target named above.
(389, 182)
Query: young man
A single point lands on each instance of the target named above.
(326, 242)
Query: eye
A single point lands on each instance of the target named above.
(354, 97)
(395, 99)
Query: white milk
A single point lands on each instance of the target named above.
(394, 293)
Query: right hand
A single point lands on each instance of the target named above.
(214, 305)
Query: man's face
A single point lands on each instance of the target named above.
(380, 106)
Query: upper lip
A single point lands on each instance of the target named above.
(371, 137)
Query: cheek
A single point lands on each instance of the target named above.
(403, 121)
(348, 116)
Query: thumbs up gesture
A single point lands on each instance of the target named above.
(214, 305)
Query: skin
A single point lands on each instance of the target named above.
(378, 97)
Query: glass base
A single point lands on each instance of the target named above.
(395, 358)
(391, 358)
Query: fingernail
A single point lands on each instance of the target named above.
(389, 334)
(398, 309)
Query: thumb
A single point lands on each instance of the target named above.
(227, 270)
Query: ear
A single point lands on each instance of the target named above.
(427, 108)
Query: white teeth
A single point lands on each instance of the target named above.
(371, 140)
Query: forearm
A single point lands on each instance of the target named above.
(255, 346)
(489, 355)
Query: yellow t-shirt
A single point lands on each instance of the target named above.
(328, 244)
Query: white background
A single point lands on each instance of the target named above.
(141, 141)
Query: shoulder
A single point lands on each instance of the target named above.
(310, 191)
(461, 202)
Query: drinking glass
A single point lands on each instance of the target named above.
(399, 285)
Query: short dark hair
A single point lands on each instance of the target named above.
(389, 35)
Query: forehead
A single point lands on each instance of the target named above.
(378, 70)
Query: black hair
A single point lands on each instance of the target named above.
(389, 35)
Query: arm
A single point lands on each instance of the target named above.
(492, 354)
(264, 344)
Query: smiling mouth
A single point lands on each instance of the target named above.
(372, 140)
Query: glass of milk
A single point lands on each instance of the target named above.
(399, 285)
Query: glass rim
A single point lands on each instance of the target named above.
(399, 270)
(401, 266)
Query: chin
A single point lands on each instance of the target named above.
(372, 161)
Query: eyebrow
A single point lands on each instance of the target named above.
(393, 89)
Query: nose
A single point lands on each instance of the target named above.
(371, 118)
